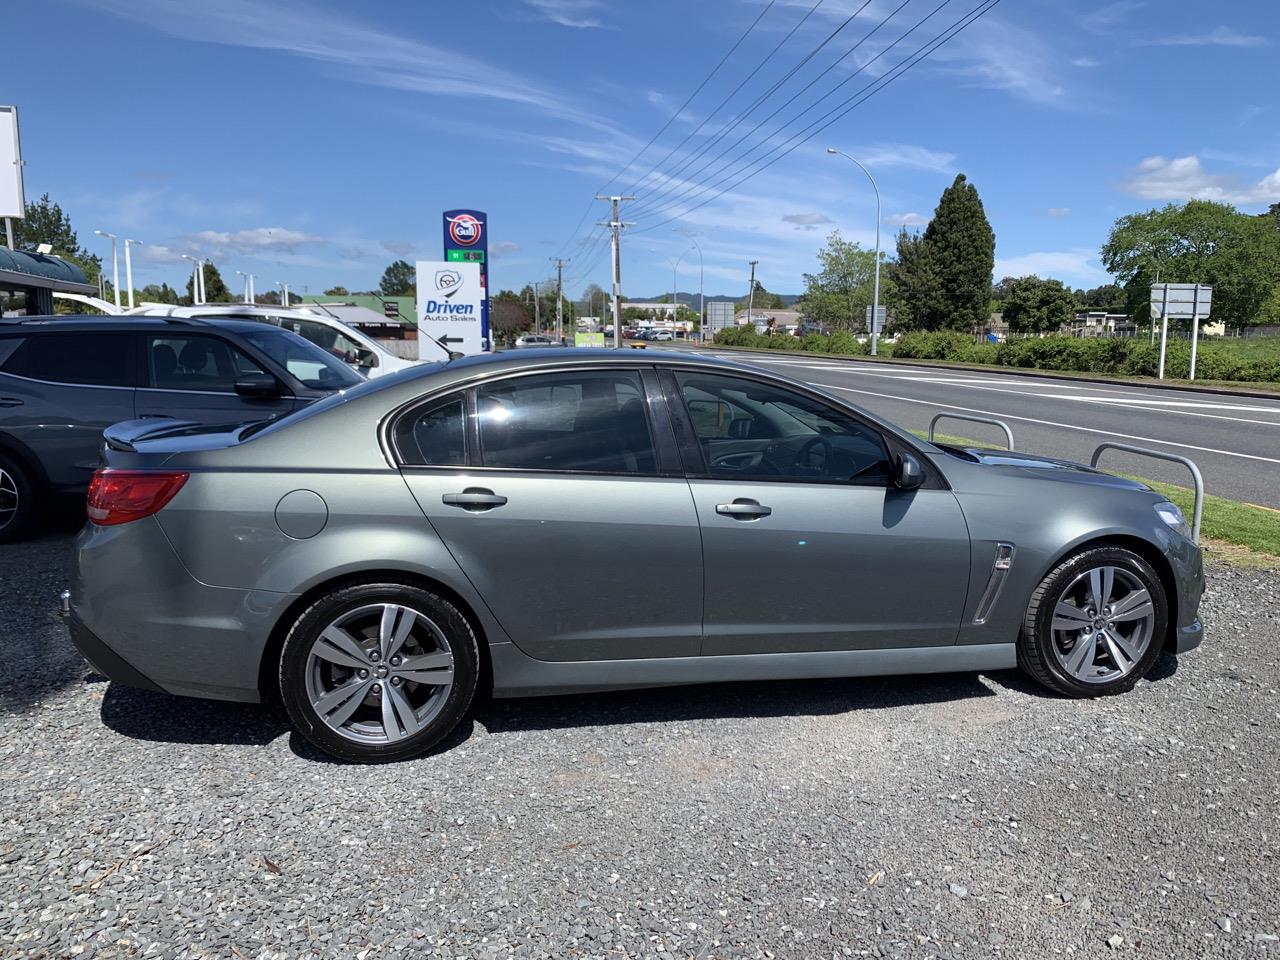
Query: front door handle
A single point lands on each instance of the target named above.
(10, 402)
(474, 499)
(743, 509)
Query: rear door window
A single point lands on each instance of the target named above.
(433, 436)
(84, 357)
(193, 362)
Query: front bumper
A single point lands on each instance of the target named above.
(1188, 637)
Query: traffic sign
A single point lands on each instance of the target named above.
(881, 313)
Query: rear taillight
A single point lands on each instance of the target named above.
(118, 496)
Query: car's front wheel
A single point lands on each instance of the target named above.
(1095, 624)
(378, 671)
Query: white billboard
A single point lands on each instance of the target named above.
(450, 297)
(12, 203)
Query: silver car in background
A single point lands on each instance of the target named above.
(545, 521)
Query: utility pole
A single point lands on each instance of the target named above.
(751, 295)
(615, 225)
(559, 296)
(537, 311)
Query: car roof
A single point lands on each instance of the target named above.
(73, 321)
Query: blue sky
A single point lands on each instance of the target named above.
(313, 142)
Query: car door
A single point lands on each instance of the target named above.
(806, 544)
(192, 376)
(562, 498)
(58, 391)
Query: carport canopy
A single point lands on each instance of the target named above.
(38, 276)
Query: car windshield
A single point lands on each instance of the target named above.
(303, 359)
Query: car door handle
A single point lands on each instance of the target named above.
(474, 499)
(743, 509)
(10, 402)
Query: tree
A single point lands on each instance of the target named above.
(158, 294)
(508, 316)
(913, 283)
(45, 222)
(398, 280)
(1198, 242)
(338, 291)
(1037, 306)
(837, 295)
(1109, 296)
(762, 300)
(594, 299)
(215, 290)
(961, 248)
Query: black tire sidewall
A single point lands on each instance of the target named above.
(21, 524)
(1056, 584)
(317, 616)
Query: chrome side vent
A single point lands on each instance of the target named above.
(999, 572)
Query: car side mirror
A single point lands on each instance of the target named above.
(366, 358)
(258, 386)
(907, 472)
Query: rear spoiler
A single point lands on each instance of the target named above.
(122, 436)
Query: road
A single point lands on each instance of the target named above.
(1234, 440)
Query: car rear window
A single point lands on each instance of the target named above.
(7, 346)
(84, 357)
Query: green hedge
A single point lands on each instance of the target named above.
(1129, 357)
(841, 342)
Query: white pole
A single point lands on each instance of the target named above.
(8, 231)
(286, 295)
(115, 265)
(875, 295)
(1195, 329)
(1164, 328)
(203, 296)
(128, 269)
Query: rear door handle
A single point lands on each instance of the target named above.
(10, 402)
(743, 509)
(474, 499)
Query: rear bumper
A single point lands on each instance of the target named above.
(141, 619)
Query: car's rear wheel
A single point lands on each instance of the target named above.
(378, 671)
(17, 500)
(1095, 624)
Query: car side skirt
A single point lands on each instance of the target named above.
(516, 674)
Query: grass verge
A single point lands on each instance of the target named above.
(1232, 531)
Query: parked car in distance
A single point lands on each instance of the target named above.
(352, 346)
(536, 340)
(371, 558)
(63, 379)
(662, 335)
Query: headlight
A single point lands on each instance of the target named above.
(1170, 514)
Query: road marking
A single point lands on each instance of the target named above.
(1064, 426)
(1167, 403)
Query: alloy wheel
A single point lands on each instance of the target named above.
(1103, 624)
(380, 673)
(9, 499)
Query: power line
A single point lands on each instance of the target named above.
(652, 202)
(823, 122)
(732, 93)
(672, 118)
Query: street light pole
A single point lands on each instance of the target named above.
(875, 295)
(195, 277)
(245, 296)
(284, 292)
(203, 296)
(128, 268)
(115, 264)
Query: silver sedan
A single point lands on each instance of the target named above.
(545, 521)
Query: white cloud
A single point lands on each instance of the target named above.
(1110, 15)
(1078, 266)
(806, 221)
(258, 240)
(1185, 178)
(1086, 63)
(568, 13)
(371, 55)
(1218, 37)
(1003, 56)
(907, 219)
(504, 247)
(159, 253)
(904, 155)
(1058, 213)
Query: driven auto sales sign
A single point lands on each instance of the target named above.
(450, 305)
(466, 240)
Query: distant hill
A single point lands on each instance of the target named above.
(691, 299)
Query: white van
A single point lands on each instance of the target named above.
(353, 346)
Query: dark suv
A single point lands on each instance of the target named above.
(63, 379)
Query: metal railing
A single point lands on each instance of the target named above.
(1187, 462)
(965, 416)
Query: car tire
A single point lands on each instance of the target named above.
(19, 504)
(347, 713)
(1116, 641)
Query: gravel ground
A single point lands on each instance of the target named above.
(956, 816)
